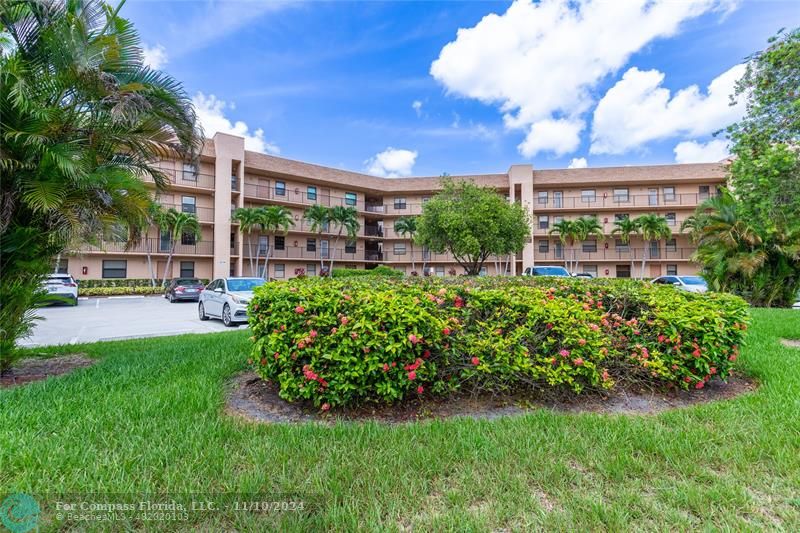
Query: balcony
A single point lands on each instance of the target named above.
(615, 254)
(152, 245)
(302, 253)
(203, 214)
(620, 201)
(186, 179)
(373, 231)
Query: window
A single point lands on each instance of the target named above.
(590, 269)
(399, 248)
(188, 204)
(280, 242)
(589, 247)
(559, 250)
(189, 172)
(350, 198)
(324, 248)
(588, 196)
(165, 243)
(558, 197)
(425, 199)
(618, 217)
(440, 271)
(703, 192)
(557, 219)
(311, 192)
(311, 245)
(311, 269)
(188, 238)
(669, 194)
(655, 249)
(279, 270)
(544, 221)
(484, 271)
(671, 219)
(399, 203)
(621, 195)
(115, 269)
(350, 247)
(544, 247)
(542, 198)
(263, 244)
(61, 267)
(671, 245)
(623, 271)
(233, 241)
(280, 188)
(187, 269)
(652, 197)
(672, 270)
(621, 246)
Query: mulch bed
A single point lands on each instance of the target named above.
(36, 369)
(254, 400)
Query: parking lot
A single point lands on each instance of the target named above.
(116, 318)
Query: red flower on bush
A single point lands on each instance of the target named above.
(459, 302)
(299, 309)
(426, 354)
(548, 326)
(732, 357)
(345, 320)
(413, 339)
(476, 361)
(326, 406)
(420, 389)
(662, 338)
(582, 342)
(577, 361)
(412, 375)
(312, 333)
(354, 335)
(700, 385)
(385, 367)
(446, 331)
(564, 353)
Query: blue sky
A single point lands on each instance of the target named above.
(395, 89)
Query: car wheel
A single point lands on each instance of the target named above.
(171, 298)
(74, 301)
(226, 316)
(201, 311)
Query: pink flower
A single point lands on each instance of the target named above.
(548, 326)
(312, 333)
(354, 335)
(299, 309)
(345, 320)
(446, 331)
(283, 327)
(696, 352)
(426, 354)
(732, 357)
(326, 406)
(301, 345)
(577, 361)
(442, 292)
(412, 375)
(413, 339)
(385, 367)
(459, 302)
(476, 361)
(582, 342)
(564, 353)
(347, 297)
(594, 327)
(605, 375)
(700, 385)
(420, 389)
(334, 330)
(712, 370)
(366, 349)
(661, 338)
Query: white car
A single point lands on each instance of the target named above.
(547, 271)
(227, 299)
(687, 283)
(62, 288)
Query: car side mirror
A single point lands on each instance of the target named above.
(219, 290)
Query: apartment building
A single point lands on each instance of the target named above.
(227, 177)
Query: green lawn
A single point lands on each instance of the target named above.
(148, 418)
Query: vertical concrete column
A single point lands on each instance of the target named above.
(227, 149)
(522, 175)
(240, 236)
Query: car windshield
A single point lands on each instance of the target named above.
(187, 281)
(550, 271)
(693, 280)
(58, 279)
(236, 285)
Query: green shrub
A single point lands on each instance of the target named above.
(127, 282)
(380, 270)
(340, 342)
(117, 291)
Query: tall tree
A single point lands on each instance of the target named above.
(471, 223)
(651, 228)
(567, 231)
(249, 221)
(345, 220)
(319, 217)
(274, 219)
(585, 227)
(177, 224)
(83, 120)
(139, 235)
(407, 227)
(626, 228)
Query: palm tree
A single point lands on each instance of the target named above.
(585, 227)
(651, 228)
(177, 224)
(84, 121)
(567, 231)
(407, 227)
(626, 228)
(139, 234)
(319, 216)
(273, 219)
(346, 219)
(249, 220)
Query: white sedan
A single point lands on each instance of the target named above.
(227, 299)
(687, 283)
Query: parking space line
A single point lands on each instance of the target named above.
(97, 305)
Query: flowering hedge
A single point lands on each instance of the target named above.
(342, 342)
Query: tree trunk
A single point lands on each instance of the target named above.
(321, 259)
(250, 252)
(644, 261)
(169, 262)
(58, 263)
(335, 244)
(413, 264)
(265, 273)
(150, 263)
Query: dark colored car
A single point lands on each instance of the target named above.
(184, 289)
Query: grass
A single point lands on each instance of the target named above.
(148, 419)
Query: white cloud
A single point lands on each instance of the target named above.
(637, 109)
(211, 114)
(416, 105)
(695, 152)
(392, 163)
(578, 162)
(558, 136)
(154, 57)
(539, 61)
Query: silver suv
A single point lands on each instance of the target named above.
(61, 288)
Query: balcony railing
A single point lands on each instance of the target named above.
(372, 231)
(615, 254)
(154, 245)
(185, 178)
(620, 201)
(203, 214)
(608, 227)
(300, 252)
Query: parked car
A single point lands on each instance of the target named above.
(184, 289)
(687, 283)
(227, 299)
(582, 275)
(61, 288)
(546, 271)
